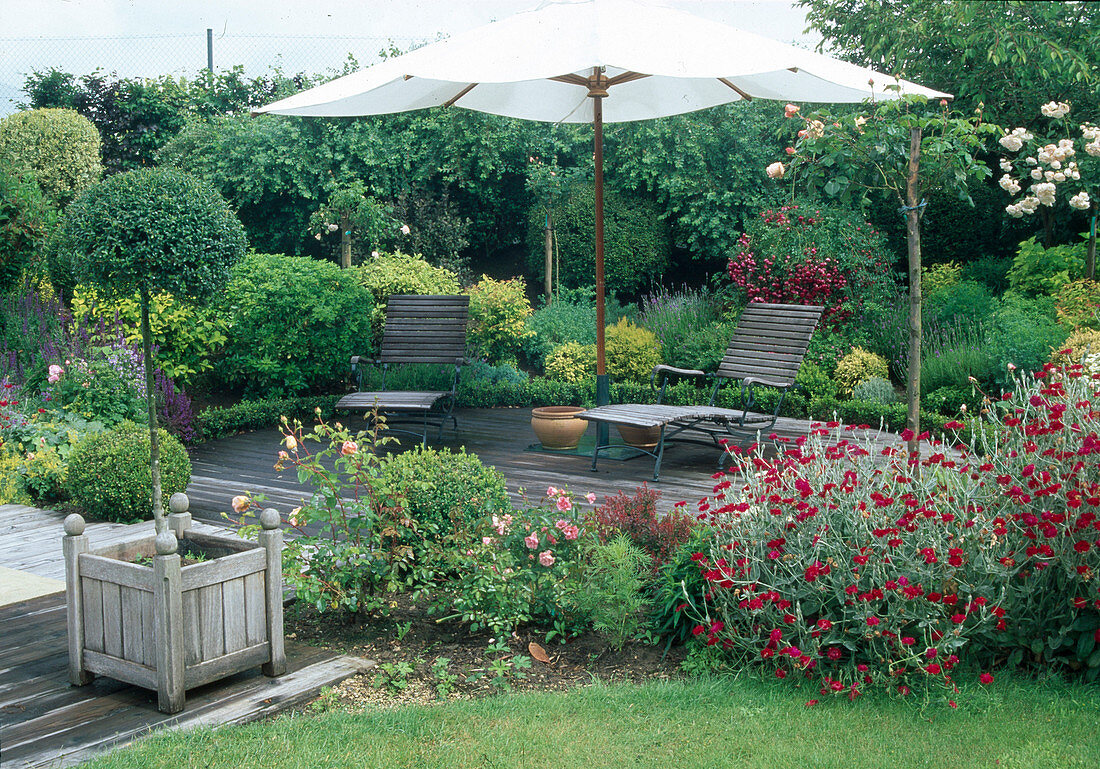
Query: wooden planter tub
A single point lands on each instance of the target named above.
(171, 627)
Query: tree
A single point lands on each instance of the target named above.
(1051, 167)
(352, 213)
(1009, 55)
(902, 148)
(56, 147)
(145, 232)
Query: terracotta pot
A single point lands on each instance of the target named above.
(640, 437)
(557, 427)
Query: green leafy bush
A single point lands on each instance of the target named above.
(967, 300)
(59, 148)
(940, 276)
(637, 243)
(109, 473)
(876, 389)
(858, 366)
(25, 221)
(294, 323)
(572, 362)
(1022, 333)
(1038, 271)
(632, 352)
(107, 386)
(446, 491)
(498, 314)
(570, 317)
(613, 595)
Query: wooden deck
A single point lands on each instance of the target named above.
(224, 468)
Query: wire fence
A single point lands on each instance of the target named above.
(181, 55)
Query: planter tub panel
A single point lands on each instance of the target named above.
(93, 614)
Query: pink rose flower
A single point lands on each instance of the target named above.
(551, 491)
(241, 503)
(546, 558)
(349, 448)
(591, 497)
(565, 504)
(531, 540)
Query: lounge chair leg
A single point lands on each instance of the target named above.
(660, 455)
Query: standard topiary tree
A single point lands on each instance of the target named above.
(58, 147)
(149, 231)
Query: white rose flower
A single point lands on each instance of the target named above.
(1031, 161)
(1093, 148)
(1008, 184)
(1056, 164)
(1011, 143)
(1045, 193)
(1014, 211)
(1059, 177)
(1036, 174)
(1090, 132)
(1029, 205)
(1080, 201)
(1055, 109)
(775, 171)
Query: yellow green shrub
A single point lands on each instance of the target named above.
(940, 276)
(1084, 347)
(188, 336)
(572, 362)
(58, 147)
(858, 366)
(12, 490)
(632, 352)
(399, 273)
(498, 318)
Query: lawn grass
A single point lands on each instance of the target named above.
(722, 723)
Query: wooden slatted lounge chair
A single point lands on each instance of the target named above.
(767, 349)
(419, 329)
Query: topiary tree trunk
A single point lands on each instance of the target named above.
(159, 521)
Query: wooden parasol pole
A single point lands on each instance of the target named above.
(597, 90)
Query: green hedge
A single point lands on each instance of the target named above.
(219, 422)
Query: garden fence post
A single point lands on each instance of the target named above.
(73, 544)
(168, 624)
(271, 537)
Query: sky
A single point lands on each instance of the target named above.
(147, 38)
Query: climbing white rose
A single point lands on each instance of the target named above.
(1080, 201)
(1055, 109)
(1009, 185)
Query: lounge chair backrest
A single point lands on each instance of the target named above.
(770, 342)
(425, 329)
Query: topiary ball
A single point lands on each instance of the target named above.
(109, 473)
(59, 148)
(447, 490)
(632, 352)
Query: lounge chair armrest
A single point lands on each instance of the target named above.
(357, 359)
(663, 369)
(752, 380)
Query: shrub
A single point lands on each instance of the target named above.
(953, 353)
(1078, 303)
(636, 517)
(218, 422)
(1038, 271)
(815, 382)
(294, 323)
(689, 326)
(187, 337)
(858, 366)
(59, 148)
(612, 595)
(25, 220)
(108, 386)
(446, 491)
(984, 556)
(631, 351)
(109, 473)
(965, 300)
(1022, 333)
(498, 314)
(637, 244)
(572, 362)
(940, 276)
(877, 390)
(824, 255)
(570, 317)
(399, 273)
(520, 567)
(1082, 346)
